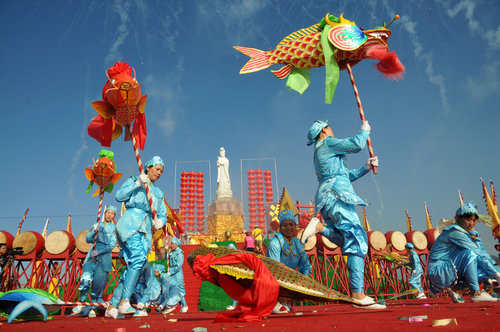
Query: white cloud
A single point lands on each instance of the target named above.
(487, 83)
(122, 9)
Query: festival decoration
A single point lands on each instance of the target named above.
(231, 269)
(122, 103)
(252, 198)
(22, 221)
(335, 43)
(103, 173)
(286, 203)
(408, 221)
(366, 224)
(492, 210)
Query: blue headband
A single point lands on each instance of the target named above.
(176, 241)
(315, 129)
(409, 245)
(111, 207)
(286, 214)
(466, 208)
(155, 161)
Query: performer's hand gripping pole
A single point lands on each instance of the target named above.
(361, 113)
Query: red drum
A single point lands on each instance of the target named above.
(431, 235)
(323, 243)
(397, 239)
(377, 240)
(82, 245)
(7, 238)
(30, 242)
(60, 241)
(418, 239)
(310, 243)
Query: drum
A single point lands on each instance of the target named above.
(60, 241)
(397, 239)
(30, 242)
(7, 238)
(310, 243)
(431, 235)
(377, 240)
(323, 243)
(418, 239)
(82, 245)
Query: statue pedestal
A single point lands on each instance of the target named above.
(225, 214)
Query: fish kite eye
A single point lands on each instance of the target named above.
(113, 81)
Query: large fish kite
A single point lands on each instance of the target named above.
(332, 43)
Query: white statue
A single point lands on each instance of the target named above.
(223, 181)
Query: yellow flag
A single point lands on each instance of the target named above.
(408, 221)
(492, 209)
(428, 217)
(366, 224)
(287, 203)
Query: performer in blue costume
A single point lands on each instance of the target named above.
(286, 248)
(147, 291)
(135, 229)
(172, 281)
(97, 264)
(486, 265)
(416, 271)
(453, 260)
(337, 201)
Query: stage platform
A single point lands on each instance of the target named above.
(341, 317)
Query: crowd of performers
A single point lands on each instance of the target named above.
(457, 259)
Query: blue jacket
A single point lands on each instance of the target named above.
(106, 241)
(294, 256)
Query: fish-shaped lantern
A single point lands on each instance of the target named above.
(103, 173)
(292, 285)
(333, 42)
(122, 103)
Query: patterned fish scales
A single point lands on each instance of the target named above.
(304, 52)
(293, 285)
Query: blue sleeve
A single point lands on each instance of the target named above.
(90, 236)
(126, 190)
(162, 211)
(274, 249)
(110, 242)
(463, 241)
(304, 264)
(348, 145)
(355, 174)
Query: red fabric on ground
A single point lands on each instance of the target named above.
(254, 302)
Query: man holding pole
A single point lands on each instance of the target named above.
(135, 229)
(336, 200)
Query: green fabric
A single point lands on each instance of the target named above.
(299, 79)
(331, 66)
(109, 188)
(266, 242)
(225, 243)
(213, 298)
(91, 184)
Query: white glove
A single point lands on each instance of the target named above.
(365, 126)
(95, 227)
(157, 223)
(372, 162)
(414, 272)
(143, 178)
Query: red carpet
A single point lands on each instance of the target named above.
(341, 317)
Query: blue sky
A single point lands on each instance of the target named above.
(435, 131)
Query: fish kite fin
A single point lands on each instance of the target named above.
(283, 71)
(109, 188)
(25, 305)
(258, 59)
(116, 177)
(141, 107)
(103, 109)
(89, 174)
(96, 192)
(140, 130)
(91, 184)
(101, 129)
(117, 131)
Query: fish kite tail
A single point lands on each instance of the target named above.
(389, 65)
(258, 59)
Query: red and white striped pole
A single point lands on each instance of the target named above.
(141, 170)
(101, 197)
(361, 113)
